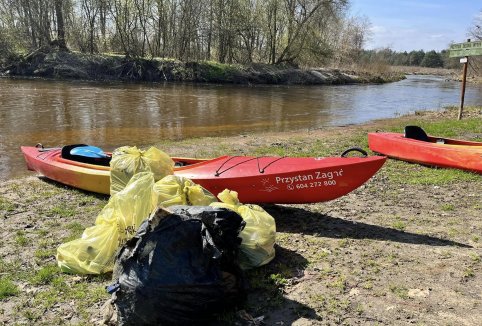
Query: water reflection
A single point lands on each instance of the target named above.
(111, 115)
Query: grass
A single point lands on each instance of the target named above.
(448, 207)
(75, 228)
(469, 272)
(45, 275)
(21, 239)
(44, 254)
(474, 257)
(339, 283)
(399, 225)
(6, 205)
(214, 71)
(62, 210)
(7, 288)
(399, 291)
(413, 174)
(278, 280)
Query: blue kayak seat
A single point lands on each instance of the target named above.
(85, 154)
(415, 132)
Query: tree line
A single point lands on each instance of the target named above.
(306, 32)
(420, 58)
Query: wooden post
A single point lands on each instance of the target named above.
(462, 94)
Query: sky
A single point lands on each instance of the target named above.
(406, 25)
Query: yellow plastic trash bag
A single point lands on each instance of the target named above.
(127, 161)
(259, 234)
(95, 251)
(176, 190)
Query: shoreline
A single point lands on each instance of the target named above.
(182, 147)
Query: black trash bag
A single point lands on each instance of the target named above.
(180, 268)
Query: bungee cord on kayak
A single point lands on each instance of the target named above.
(261, 170)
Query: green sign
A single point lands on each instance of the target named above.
(466, 49)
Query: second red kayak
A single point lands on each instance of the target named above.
(286, 180)
(415, 146)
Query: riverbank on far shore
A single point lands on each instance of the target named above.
(405, 248)
(51, 63)
(449, 74)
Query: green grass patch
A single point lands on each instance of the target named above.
(447, 207)
(44, 253)
(214, 71)
(6, 205)
(413, 174)
(268, 286)
(343, 243)
(47, 299)
(398, 224)
(443, 127)
(399, 291)
(469, 272)
(32, 314)
(45, 243)
(45, 275)
(337, 306)
(21, 239)
(76, 227)
(339, 283)
(474, 257)
(7, 268)
(319, 255)
(373, 265)
(7, 288)
(278, 280)
(368, 285)
(42, 232)
(453, 128)
(61, 210)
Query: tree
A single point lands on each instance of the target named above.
(416, 57)
(60, 25)
(272, 31)
(432, 59)
(475, 31)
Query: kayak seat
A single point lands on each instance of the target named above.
(85, 154)
(415, 132)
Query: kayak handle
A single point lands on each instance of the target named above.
(41, 148)
(354, 149)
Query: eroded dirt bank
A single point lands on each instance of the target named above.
(50, 63)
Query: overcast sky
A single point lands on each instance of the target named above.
(405, 25)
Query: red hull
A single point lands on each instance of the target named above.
(257, 180)
(459, 154)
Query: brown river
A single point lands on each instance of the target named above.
(111, 115)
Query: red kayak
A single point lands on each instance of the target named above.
(286, 180)
(420, 148)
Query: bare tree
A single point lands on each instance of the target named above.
(270, 31)
(60, 24)
(475, 31)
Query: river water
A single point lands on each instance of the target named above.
(111, 115)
